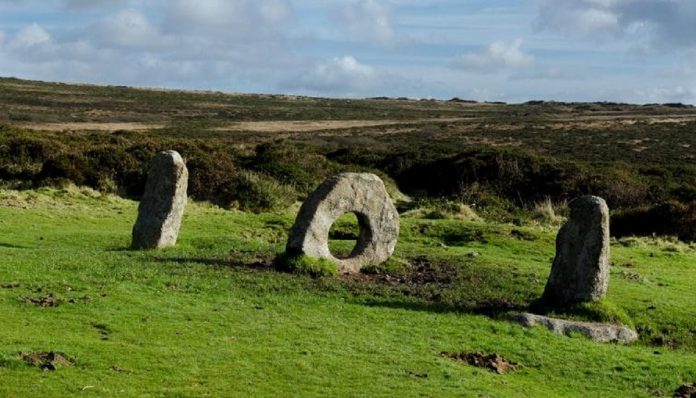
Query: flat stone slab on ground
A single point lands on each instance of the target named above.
(599, 332)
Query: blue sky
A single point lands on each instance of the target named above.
(638, 51)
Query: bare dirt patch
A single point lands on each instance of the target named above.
(606, 121)
(492, 362)
(420, 271)
(104, 330)
(46, 301)
(119, 369)
(317, 125)
(47, 360)
(686, 391)
(91, 126)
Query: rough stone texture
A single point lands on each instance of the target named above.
(360, 193)
(600, 332)
(163, 203)
(580, 271)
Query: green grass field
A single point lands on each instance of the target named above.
(211, 317)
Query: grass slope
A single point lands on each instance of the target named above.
(210, 317)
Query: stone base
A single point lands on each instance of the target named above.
(599, 332)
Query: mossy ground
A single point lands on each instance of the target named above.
(212, 317)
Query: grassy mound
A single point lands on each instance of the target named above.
(301, 264)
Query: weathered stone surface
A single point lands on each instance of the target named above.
(600, 332)
(163, 203)
(360, 193)
(580, 271)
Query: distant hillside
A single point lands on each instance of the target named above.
(261, 152)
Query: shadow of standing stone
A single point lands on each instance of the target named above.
(580, 271)
(162, 206)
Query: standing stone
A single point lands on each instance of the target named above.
(364, 195)
(580, 271)
(163, 203)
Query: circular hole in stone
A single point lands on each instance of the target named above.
(343, 235)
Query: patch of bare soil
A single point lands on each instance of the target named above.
(12, 285)
(80, 126)
(47, 360)
(104, 331)
(492, 362)
(48, 300)
(686, 391)
(422, 271)
(605, 121)
(51, 300)
(119, 369)
(316, 125)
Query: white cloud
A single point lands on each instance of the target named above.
(299, 46)
(564, 73)
(581, 17)
(368, 20)
(89, 4)
(127, 28)
(496, 56)
(253, 20)
(666, 23)
(30, 36)
(677, 93)
(276, 11)
(209, 44)
(343, 75)
(340, 73)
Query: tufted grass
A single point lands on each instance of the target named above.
(301, 264)
(211, 317)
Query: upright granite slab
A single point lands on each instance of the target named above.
(580, 271)
(162, 206)
(361, 193)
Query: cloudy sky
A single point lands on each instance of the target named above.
(512, 50)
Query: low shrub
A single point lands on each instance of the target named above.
(446, 181)
(302, 169)
(443, 210)
(670, 218)
(545, 212)
(257, 192)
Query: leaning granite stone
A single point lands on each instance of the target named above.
(580, 271)
(361, 193)
(163, 203)
(599, 332)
